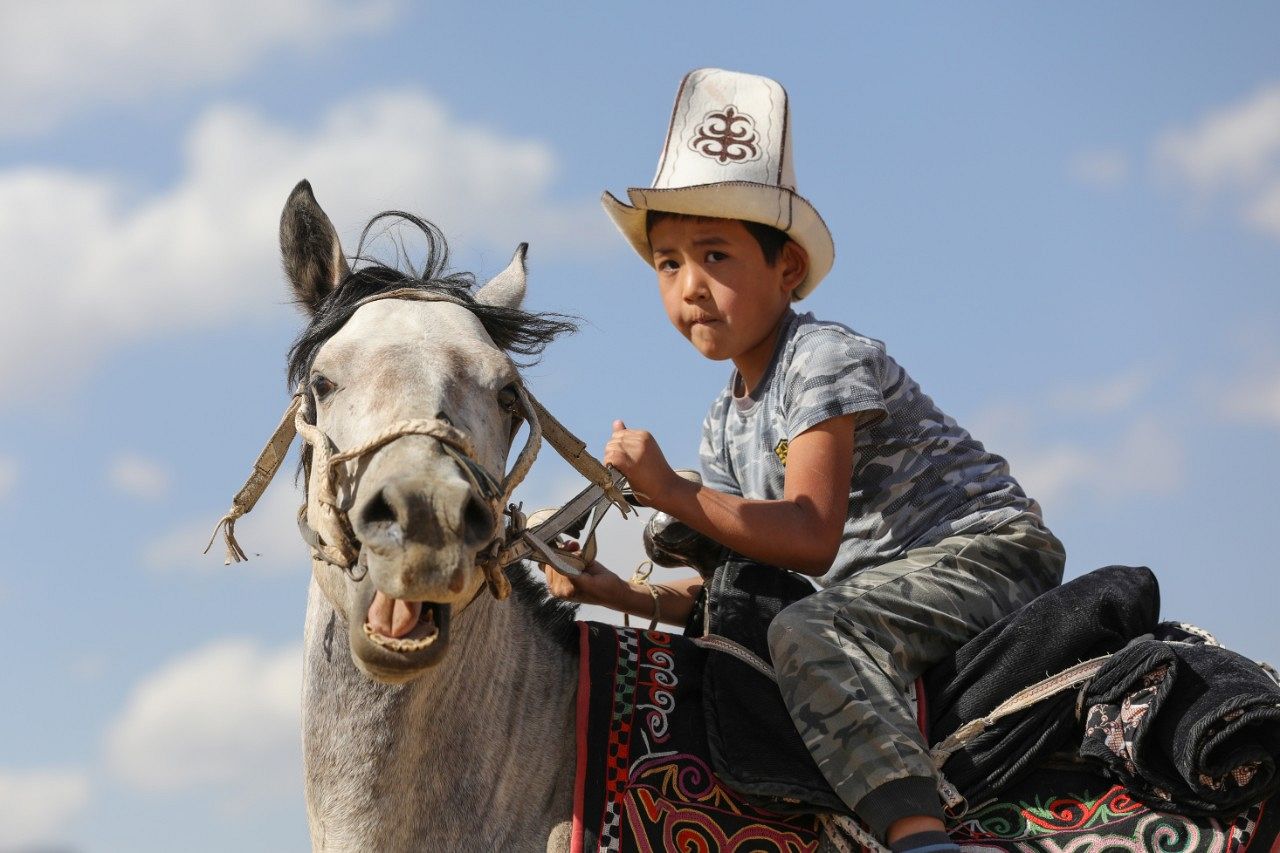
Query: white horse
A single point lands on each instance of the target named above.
(435, 717)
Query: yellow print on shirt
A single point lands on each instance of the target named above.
(781, 452)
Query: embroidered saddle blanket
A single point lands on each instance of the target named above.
(644, 781)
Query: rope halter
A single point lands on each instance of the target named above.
(333, 540)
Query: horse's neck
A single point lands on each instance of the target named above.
(475, 754)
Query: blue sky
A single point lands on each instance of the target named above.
(1063, 221)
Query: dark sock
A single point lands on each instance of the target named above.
(925, 842)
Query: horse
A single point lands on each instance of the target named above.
(454, 731)
(436, 716)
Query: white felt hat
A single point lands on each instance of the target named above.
(728, 154)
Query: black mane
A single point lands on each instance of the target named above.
(552, 615)
(514, 331)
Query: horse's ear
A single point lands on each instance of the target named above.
(310, 248)
(506, 289)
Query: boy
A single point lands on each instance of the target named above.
(821, 456)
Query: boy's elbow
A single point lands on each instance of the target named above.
(817, 541)
(817, 562)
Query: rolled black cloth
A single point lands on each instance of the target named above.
(1187, 727)
(1092, 615)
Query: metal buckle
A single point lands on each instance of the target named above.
(585, 510)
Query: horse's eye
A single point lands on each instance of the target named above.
(321, 386)
(508, 397)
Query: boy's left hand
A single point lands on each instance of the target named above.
(636, 454)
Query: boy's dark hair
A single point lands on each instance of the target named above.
(770, 239)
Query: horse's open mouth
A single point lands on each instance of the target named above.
(431, 618)
(395, 659)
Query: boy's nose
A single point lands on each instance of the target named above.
(693, 285)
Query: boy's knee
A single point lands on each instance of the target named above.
(785, 628)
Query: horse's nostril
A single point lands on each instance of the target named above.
(378, 510)
(477, 522)
(423, 512)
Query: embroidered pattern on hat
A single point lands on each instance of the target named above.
(727, 135)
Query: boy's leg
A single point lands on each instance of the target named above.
(846, 655)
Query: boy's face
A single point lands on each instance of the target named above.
(716, 287)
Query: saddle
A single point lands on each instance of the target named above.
(754, 747)
(1026, 687)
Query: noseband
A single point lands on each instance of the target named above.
(333, 539)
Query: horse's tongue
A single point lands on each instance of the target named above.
(392, 617)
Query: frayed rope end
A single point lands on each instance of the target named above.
(227, 524)
(499, 586)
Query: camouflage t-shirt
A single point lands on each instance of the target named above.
(917, 476)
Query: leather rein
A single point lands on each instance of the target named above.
(333, 540)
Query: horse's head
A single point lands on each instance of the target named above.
(415, 509)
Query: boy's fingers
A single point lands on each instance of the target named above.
(618, 426)
(557, 585)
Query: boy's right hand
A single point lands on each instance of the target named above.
(596, 584)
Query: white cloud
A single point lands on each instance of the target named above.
(225, 717)
(1100, 169)
(1246, 389)
(269, 535)
(1141, 456)
(1255, 401)
(1233, 146)
(8, 476)
(137, 476)
(204, 252)
(36, 805)
(1234, 152)
(1106, 396)
(1144, 458)
(1263, 212)
(60, 56)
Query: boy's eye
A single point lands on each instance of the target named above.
(713, 257)
(667, 265)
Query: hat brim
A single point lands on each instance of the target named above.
(769, 205)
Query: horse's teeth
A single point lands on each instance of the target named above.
(404, 644)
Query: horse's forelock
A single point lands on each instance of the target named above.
(512, 330)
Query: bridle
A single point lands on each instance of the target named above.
(333, 540)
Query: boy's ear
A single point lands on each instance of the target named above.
(795, 265)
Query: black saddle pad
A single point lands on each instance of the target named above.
(754, 746)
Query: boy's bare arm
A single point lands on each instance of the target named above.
(598, 585)
(801, 532)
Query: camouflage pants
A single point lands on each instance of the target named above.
(846, 656)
